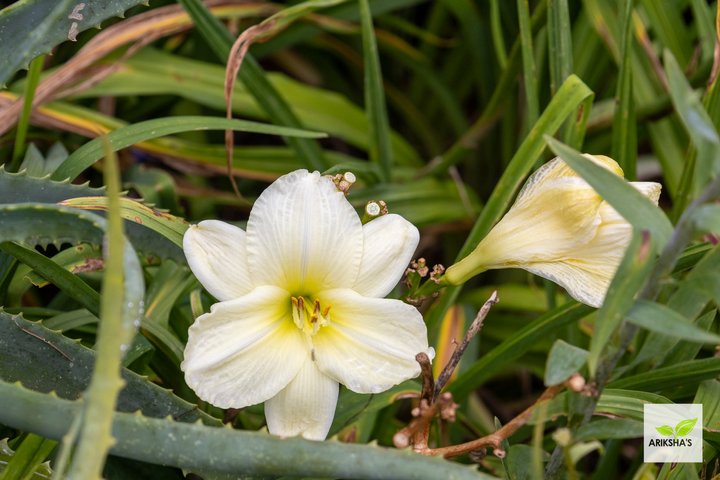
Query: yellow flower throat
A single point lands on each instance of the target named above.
(309, 317)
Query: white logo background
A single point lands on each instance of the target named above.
(657, 415)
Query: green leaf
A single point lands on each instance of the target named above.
(27, 460)
(379, 125)
(635, 207)
(659, 318)
(530, 79)
(624, 129)
(48, 21)
(121, 308)
(198, 447)
(564, 360)
(707, 218)
(685, 426)
(169, 226)
(685, 374)
(697, 122)
(152, 72)
(47, 361)
(352, 405)
(71, 284)
(33, 77)
(665, 430)
(607, 428)
(625, 285)
(257, 83)
(559, 43)
(483, 369)
(123, 137)
(22, 188)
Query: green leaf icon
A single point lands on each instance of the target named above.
(685, 426)
(666, 430)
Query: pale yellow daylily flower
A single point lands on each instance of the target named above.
(301, 306)
(559, 228)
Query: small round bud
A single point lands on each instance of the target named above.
(401, 440)
(562, 437)
(349, 177)
(372, 209)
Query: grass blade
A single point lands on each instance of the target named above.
(123, 137)
(253, 76)
(515, 346)
(624, 130)
(33, 77)
(559, 43)
(697, 122)
(379, 125)
(528, 58)
(71, 284)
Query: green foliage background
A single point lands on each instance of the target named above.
(441, 108)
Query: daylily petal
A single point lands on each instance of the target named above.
(557, 169)
(245, 350)
(304, 235)
(390, 242)
(586, 283)
(587, 273)
(305, 407)
(562, 214)
(216, 254)
(371, 343)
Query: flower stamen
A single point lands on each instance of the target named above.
(309, 319)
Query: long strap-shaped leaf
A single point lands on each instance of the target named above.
(197, 447)
(123, 137)
(253, 76)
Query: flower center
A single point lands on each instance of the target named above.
(309, 317)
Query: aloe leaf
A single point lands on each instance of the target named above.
(197, 447)
(21, 188)
(121, 308)
(30, 28)
(46, 361)
(26, 201)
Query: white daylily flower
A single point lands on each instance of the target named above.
(301, 306)
(559, 228)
